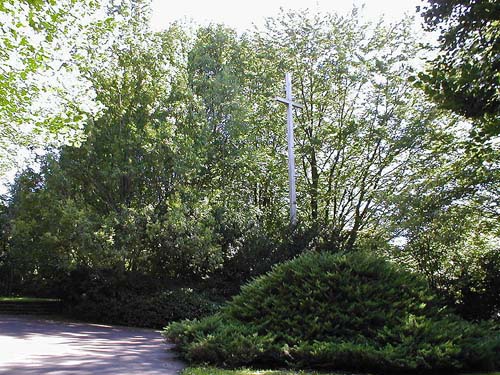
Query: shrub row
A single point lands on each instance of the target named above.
(151, 311)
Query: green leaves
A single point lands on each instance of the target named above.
(464, 76)
(180, 173)
(363, 125)
(351, 312)
(37, 43)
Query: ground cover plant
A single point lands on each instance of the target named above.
(245, 371)
(27, 299)
(355, 312)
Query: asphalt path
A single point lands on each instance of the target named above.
(30, 345)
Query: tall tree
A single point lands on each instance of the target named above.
(362, 125)
(129, 190)
(39, 78)
(138, 165)
(229, 79)
(464, 77)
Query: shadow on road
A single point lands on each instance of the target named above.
(35, 346)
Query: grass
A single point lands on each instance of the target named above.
(27, 299)
(216, 371)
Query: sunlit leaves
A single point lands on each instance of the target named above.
(38, 76)
(362, 125)
(464, 76)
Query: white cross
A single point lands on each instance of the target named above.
(291, 158)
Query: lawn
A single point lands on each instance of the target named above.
(216, 371)
(27, 299)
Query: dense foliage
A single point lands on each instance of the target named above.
(178, 176)
(464, 75)
(39, 76)
(180, 173)
(352, 312)
(129, 299)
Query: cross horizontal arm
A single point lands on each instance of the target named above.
(286, 101)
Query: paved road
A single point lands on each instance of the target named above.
(32, 346)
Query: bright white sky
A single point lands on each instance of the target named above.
(241, 15)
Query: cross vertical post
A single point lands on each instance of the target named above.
(291, 157)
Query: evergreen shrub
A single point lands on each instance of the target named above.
(354, 312)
